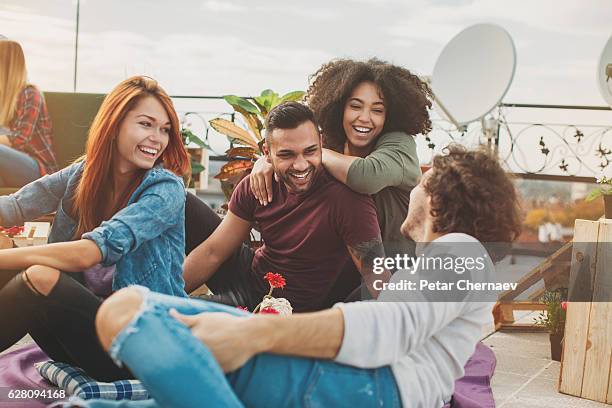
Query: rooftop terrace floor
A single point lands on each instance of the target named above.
(525, 376)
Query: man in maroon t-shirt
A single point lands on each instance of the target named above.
(310, 230)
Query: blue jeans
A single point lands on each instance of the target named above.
(179, 370)
(16, 168)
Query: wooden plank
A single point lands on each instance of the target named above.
(597, 360)
(503, 314)
(598, 353)
(577, 318)
(525, 282)
(507, 313)
(609, 400)
(523, 305)
(522, 328)
(531, 278)
(537, 294)
(557, 276)
(584, 259)
(507, 324)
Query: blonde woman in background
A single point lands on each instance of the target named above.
(26, 150)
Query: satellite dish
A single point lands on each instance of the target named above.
(473, 73)
(604, 72)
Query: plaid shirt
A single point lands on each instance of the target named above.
(77, 383)
(31, 130)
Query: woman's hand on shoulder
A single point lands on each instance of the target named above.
(261, 181)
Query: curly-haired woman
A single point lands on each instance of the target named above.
(369, 113)
(26, 151)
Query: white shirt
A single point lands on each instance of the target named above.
(426, 344)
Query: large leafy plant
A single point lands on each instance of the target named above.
(246, 143)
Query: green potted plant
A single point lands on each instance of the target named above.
(246, 142)
(604, 191)
(196, 167)
(553, 318)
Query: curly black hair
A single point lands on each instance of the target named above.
(407, 98)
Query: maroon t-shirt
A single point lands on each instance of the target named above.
(305, 235)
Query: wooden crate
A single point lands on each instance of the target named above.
(587, 352)
(554, 271)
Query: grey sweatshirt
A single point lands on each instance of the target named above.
(426, 344)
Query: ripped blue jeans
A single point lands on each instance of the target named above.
(179, 370)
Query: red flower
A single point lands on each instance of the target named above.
(268, 310)
(275, 280)
(242, 308)
(564, 305)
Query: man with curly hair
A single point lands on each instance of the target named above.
(360, 354)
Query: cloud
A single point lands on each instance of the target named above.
(223, 6)
(208, 52)
(441, 21)
(49, 50)
(205, 67)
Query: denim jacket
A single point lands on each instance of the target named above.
(145, 240)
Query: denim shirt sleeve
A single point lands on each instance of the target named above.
(156, 210)
(40, 197)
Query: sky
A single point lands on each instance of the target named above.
(214, 47)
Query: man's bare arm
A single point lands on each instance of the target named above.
(363, 255)
(234, 340)
(317, 334)
(201, 264)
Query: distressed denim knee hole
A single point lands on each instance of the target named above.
(132, 326)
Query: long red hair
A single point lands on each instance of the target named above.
(92, 194)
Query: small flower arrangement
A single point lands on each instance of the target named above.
(270, 304)
(604, 190)
(556, 307)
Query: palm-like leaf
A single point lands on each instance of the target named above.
(292, 96)
(252, 121)
(233, 131)
(242, 102)
(249, 112)
(233, 168)
(190, 137)
(196, 168)
(246, 152)
(594, 194)
(266, 101)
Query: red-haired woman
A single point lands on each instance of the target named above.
(119, 221)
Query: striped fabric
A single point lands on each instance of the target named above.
(75, 382)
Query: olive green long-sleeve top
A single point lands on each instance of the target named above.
(388, 174)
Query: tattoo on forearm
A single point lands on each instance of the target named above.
(365, 252)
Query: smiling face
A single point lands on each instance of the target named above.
(143, 136)
(295, 155)
(364, 115)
